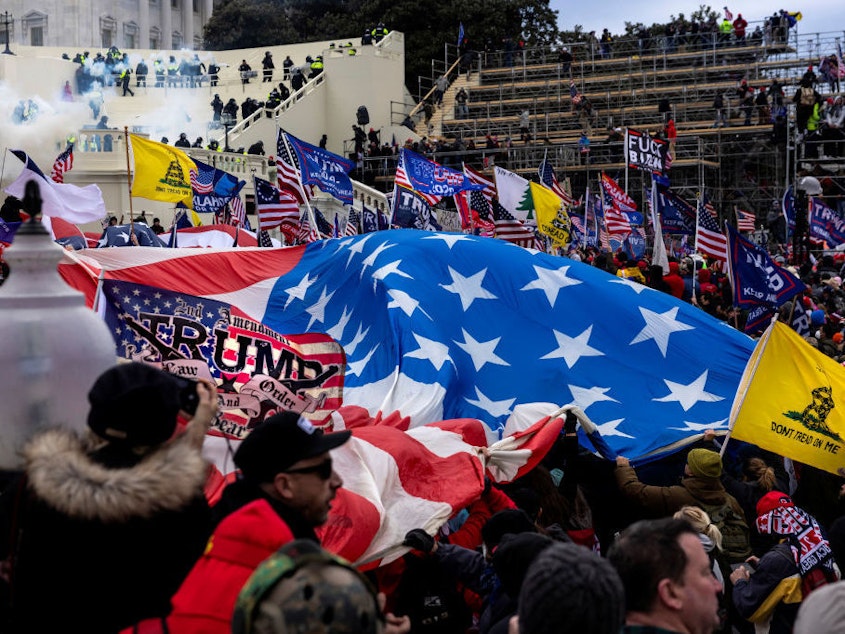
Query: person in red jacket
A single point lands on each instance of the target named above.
(739, 28)
(284, 492)
(674, 280)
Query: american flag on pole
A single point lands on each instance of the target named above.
(549, 179)
(708, 239)
(477, 178)
(287, 170)
(402, 180)
(202, 181)
(617, 224)
(307, 232)
(62, 164)
(744, 220)
(273, 206)
(352, 222)
(728, 14)
(510, 229)
(238, 212)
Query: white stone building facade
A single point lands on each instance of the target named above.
(99, 24)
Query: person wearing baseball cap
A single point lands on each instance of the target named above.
(283, 492)
(286, 461)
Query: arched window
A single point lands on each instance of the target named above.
(176, 40)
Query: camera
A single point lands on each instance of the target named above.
(188, 397)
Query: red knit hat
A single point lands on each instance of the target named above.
(773, 500)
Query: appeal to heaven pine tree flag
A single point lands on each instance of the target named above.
(162, 172)
(792, 401)
(552, 218)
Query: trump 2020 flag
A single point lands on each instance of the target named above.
(75, 204)
(410, 210)
(322, 168)
(826, 223)
(428, 177)
(756, 279)
(790, 401)
(162, 172)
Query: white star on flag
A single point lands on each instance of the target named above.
(690, 394)
(430, 350)
(481, 352)
(659, 326)
(550, 282)
(468, 289)
(573, 348)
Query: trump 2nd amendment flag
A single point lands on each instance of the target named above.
(791, 400)
(162, 172)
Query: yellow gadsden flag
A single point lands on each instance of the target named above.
(552, 219)
(791, 400)
(162, 172)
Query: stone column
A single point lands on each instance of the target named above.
(166, 26)
(188, 24)
(143, 40)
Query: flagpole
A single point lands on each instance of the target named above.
(129, 182)
(745, 380)
(586, 228)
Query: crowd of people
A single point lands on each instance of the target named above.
(579, 543)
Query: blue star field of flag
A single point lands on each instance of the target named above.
(444, 326)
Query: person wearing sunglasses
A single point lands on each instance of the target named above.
(283, 492)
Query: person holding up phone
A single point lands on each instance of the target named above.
(105, 525)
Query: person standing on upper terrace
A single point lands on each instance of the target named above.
(267, 65)
(739, 27)
(606, 43)
(244, 69)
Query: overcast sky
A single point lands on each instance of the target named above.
(819, 16)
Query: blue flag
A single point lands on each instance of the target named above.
(826, 224)
(369, 220)
(756, 278)
(432, 178)
(121, 236)
(328, 171)
(410, 210)
(8, 231)
(676, 214)
(461, 34)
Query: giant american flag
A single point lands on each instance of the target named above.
(433, 327)
(708, 239)
(62, 164)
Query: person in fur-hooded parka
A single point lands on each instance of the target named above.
(102, 528)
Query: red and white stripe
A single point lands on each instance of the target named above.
(744, 221)
(272, 215)
(238, 210)
(477, 178)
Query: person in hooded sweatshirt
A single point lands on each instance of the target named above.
(100, 529)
